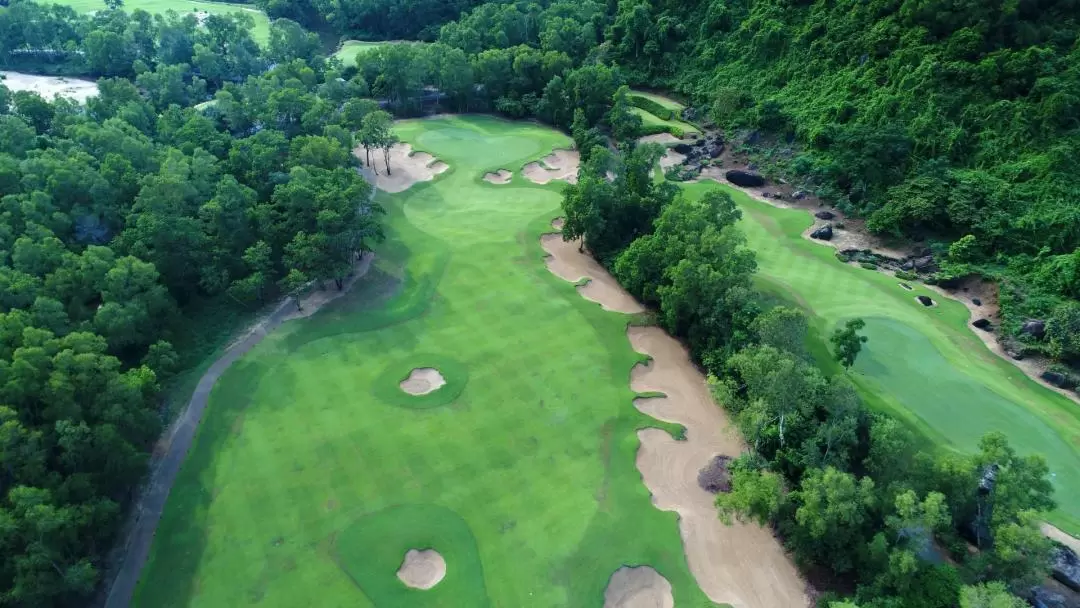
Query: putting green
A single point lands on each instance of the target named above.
(921, 364)
(261, 32)
(308, 481)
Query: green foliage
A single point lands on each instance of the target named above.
(652, 107)
(756, 494)
(989, 595)
(847, 342)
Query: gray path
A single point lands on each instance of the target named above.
(139, 534)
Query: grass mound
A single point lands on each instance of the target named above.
(370, 551)
(652, 124)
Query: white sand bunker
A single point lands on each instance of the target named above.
(560, 164)
(48, 86)
(422, 569)
(502, 176)
(421, 381)
(638, 587)
(406, 168)
(567, 261)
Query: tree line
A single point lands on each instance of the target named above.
(851, 493)
(125, 224)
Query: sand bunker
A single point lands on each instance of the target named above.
(742, 564)
(423, 380)
(406, 168)
(560, 164)
(638, 587)
(48, 86)
(670, 159)
(502, 176)
(659, 138)
(567, 262)
(422, 569)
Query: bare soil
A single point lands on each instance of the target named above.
(502, 176)
(638, 587)
(78, 89)
(559, 165)
(742, 564)
(423, 380)
(422, 569)
(659, 138)
(406, 168)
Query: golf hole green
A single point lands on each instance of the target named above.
(421, 381)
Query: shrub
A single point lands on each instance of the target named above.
(868, 265)
(906, 275)
(651, 107)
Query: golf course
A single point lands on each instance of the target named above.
(314, 473)
(921, 364)
(261, 32)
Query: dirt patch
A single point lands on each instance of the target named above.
(659, 138)
(49, 86)
(502, 176)
(422, 569)
(423, 380)
(314, 300)
(406, 168)
(741, 564)
(638, 587)
(1060, 536)
(560, 164)
(567, 261)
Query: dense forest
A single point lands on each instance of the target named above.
(212, 174)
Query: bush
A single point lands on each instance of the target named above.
(651, 107)
(868, 265)
(906, 275)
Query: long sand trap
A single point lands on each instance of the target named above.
(560, 164)
(502, 176)
(566, 262)
(638, 587)
(423, 380)
(406, 168)
(422, 569)
(741, 564)
(49, 86)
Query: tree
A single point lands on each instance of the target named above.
(625, 124)
(374, 131)
(847, 342)
(832, 518)
(114, 4)
(294, 283)
(989, 595)
(1021, 554)
(756, 494)
(387, 143)
(782, 328)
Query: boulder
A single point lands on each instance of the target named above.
(1034, 328)
(823, 233)
(1043, 597)
(1066, 567)
(682, 148)
(983, 324)
(799, 194)
(976, 301)
(824, 215)
(746, 179)
(715, 150)
(1055, 378)
(925, 300)
(924, 263)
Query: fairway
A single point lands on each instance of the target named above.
(921, 364)
(313, 472)
(261, 32)
(349, 49)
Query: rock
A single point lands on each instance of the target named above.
(1055, 378)
(745, 179)
(715, 150)
(983, 324)
(925, 300)
(682, 148)
(923, 263)
(799, 195)
(1042, 597)
(1066, 567)
(824, 215)
(1034, 328)
(976, 301)
(823, 233)
(1013, 348)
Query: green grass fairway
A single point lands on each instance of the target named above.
(665, 102)
(261, 33)
(311, 474)
(655, 124)
(921, 364)
(351, 48)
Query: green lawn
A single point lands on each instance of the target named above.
(311, 475)
(261, 33)
(921, 364)
(655, 124)
(665, 102)
(350, 49)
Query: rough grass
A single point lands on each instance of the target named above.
(921, 364)
(349, 50)
(298, 457)
(261, 32)
(660, 100)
